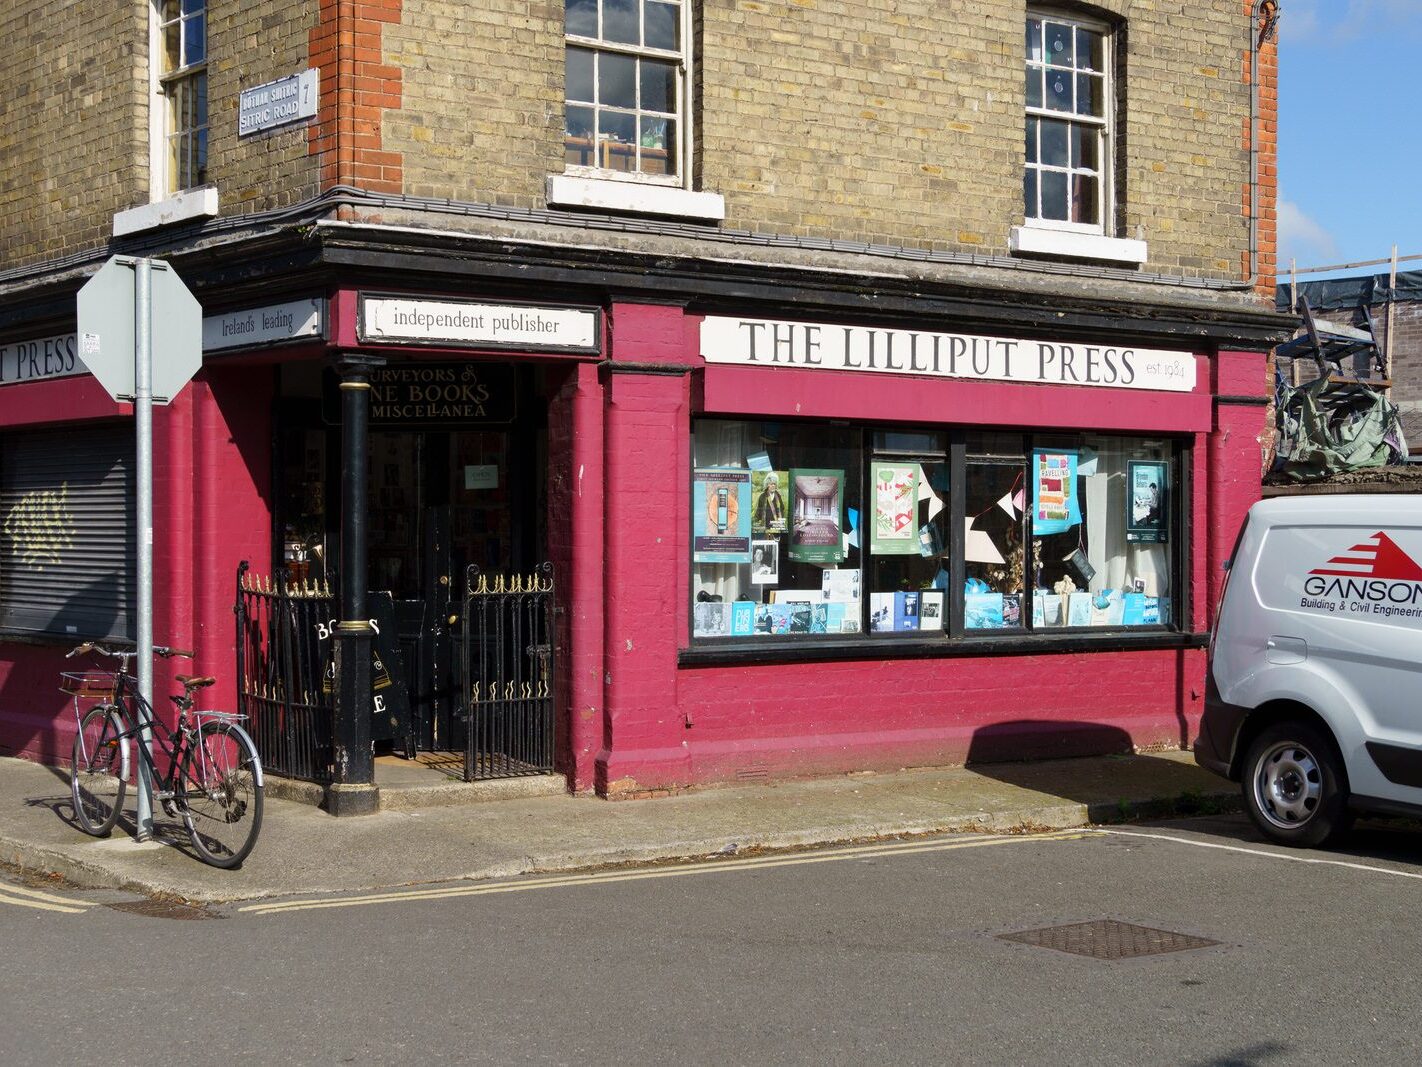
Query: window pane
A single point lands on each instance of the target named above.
(1054, 196)
(617, 81)
(658, 146)
(663, 26)
(192, 7)
(658, 85)
(1034, 87)
(1085, 148)
(199, 176)
(1031, 140)
(580, 17)
(1089, 50)
(579, 145)
(1084, 204)
(1059, 90)
(907, 524)
(172, 47)
(171, 10)
(1029, 195)
(993, 554)
(1090, 100)
(1034, 40)
(617, 134)
(195, 40)
(1054, 142)
(619, 21)
(769, 560)
(578, 74)
(1059, 44)
(1113, 567)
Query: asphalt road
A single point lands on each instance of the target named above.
(889, 954)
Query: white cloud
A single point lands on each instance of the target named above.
(1324, 20)
(1302, 239)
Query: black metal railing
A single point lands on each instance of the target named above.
(508, 671)
(285, 671)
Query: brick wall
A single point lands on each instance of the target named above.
(250, 44)
(73, 123)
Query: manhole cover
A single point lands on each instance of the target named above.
(1107, 939)
(164, 909)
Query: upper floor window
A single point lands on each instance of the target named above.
(1069, 155)
(628, 80)
(182, 81)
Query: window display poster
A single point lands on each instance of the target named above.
(931, 610)
(721, 515)
(770, 511)
(1055, 505)
(895, 530)
(881, 611)
(765, 562)
(1145, 521)
(816, 515)
(840, 583)
(709, 620)
(906, 611)
(742, 618)
(982, 611)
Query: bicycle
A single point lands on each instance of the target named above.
(214, 775)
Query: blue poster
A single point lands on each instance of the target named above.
(1056, 505)
(721, 515)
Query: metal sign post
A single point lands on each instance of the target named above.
(117, 344)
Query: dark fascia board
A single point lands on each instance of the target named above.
(713, 286)
(305, 258)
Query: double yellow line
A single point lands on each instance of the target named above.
(751, 863)
(35, 898)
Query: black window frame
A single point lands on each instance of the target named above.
(954, 639)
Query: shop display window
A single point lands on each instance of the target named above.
(838, 532)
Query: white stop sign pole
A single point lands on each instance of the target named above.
(116, 342)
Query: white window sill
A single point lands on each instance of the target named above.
(180, 207)
(1038, 241)
(566, 190)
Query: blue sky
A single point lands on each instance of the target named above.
(1350, 132)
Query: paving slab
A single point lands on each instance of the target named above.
(304, 850)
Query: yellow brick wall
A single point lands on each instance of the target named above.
(250, 43)
(73, 123)
(482, 111)
(883, 121)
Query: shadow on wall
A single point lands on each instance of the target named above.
(36, 719)
(1045, 757)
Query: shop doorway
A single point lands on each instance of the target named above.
(440, 500)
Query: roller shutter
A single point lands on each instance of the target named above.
(68, 561)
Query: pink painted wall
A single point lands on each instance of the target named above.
(211, 507)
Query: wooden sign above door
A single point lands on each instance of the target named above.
(435, 395)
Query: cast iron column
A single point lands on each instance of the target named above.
(353, 790)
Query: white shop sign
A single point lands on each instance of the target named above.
(393, 319)
(823, 346)
(42, 357)
(257, 326)
(273, 104)
(58, 356)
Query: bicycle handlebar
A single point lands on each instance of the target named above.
(158, 650)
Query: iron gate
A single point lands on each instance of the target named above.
(283, 672)
(508, 671)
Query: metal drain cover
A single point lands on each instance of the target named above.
(164, 909)
(1107, 939)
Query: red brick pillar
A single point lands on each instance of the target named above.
(647, 433)
(1241, 391)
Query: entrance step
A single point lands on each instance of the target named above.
(432, 780)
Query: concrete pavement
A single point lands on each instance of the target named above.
(304, 850)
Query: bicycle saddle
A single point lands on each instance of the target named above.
(187, 681)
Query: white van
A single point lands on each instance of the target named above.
(1313, 695)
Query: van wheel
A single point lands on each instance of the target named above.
(1293, 787)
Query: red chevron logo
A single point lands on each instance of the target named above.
(1377, 557)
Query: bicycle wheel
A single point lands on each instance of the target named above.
(219, 794)
(98, 775)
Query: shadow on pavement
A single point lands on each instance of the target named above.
(1046, 756)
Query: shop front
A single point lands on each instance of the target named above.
(769, 540)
